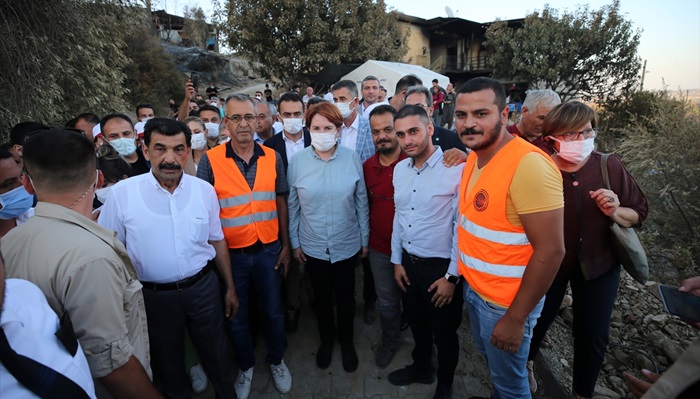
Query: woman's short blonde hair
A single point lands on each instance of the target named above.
(568, 116)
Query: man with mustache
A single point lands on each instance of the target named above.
(169, 223)
(425, 194)
(510, 234)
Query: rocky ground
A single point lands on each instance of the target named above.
(642, 335)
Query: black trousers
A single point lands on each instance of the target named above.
(369, 292)
(198, 308)
(429, 323)
(593, 305)
(334, 282)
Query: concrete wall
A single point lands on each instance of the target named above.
(418, 39)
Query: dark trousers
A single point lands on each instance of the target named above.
(198, 308)
(369, 293)
(429, 323)
(333, 281)
(593, 304)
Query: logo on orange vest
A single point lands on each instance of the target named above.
(481, 200)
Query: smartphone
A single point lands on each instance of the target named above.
(194, 78)
(681, 304)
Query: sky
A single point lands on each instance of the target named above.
(670, 38)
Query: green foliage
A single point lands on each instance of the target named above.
(659, 150)
(296, 38)
(63, 57)
(585, 53)
(195, 29)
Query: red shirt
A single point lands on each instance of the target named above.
(380, 192)
(539, 142)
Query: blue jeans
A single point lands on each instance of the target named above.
(258, 269)
(508, 370)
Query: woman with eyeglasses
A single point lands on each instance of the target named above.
(590, 265)
(329, 228)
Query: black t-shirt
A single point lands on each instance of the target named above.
(141, 166)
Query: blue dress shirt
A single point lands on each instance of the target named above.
(328, 209)
(427, 201)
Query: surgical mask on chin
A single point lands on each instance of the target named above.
(14, 203)
(575, 151)
(102, 193)
(344, 108)
(293, 125)
(199, 142)
(212, 130)
(125, 146)
(323, 141)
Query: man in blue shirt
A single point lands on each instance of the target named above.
(426, 198)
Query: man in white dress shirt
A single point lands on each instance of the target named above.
(169, 223)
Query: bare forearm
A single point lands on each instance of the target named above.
(625, 217)
(283, 220)
(130, 381)
(223, 263)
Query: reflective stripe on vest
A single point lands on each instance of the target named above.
(246, 215)
(493, 253)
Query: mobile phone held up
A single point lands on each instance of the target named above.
(194, 78)
(681, 304)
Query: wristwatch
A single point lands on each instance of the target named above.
(452, 279)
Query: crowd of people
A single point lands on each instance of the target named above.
(186, 236)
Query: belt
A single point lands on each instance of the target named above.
(182, 284)
(424, 261)
(249, 250)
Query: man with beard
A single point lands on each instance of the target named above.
(169, 223)
(510, 235)
(425, 194)
(119, 132)
(378, 172)
(537, 105)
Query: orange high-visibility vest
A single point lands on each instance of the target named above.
(246, 215)
(492, 252)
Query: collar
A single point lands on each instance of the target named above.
(434, 159)
(59, 212)
(155, 183)
(333, 156)
(230, 153)
(287, 139)
(376, 163)
(354, 125)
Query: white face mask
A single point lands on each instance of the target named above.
(125, 146)
(575, 151)
(323, 141)
(345, 110)
(102, 193)
(212, 130)
(144, 120)
(199, 142)
(293, 125)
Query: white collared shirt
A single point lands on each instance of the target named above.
(292, 147)
(348, 134)
(30, 324)
(166, 235)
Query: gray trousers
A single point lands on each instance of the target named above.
(388, 298)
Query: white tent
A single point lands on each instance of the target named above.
(390, 72)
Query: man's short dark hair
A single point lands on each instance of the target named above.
(22, 129)
(59, 160)
(369, 77)
(347, 84)
(109, 117)
(4, 153)
(88, 117)
(382, 110)
(411, 110)
(406, 82)
(484, 83)
(209, 108)
(435, 80)
(289, 97)
(316, 100)
(142, 106)
(166, 127)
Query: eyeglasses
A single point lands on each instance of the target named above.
(250, 118)
(571, 136)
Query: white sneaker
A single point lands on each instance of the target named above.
(245, 378)
(198, 379)
(282, 377)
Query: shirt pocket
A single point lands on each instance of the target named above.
(200, 229)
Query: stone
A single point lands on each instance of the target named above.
(660, 319)
(642, 361)
(621, 356)
(564, 362)
(606, 392)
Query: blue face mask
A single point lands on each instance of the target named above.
(15, 203)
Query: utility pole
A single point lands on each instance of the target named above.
(644, 72)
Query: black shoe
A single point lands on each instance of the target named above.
(404, 322)
(443, 392)
(370, 313)
(384, 357)
(350, 361)
(408, 375)
(291, 320)
(323, 355)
